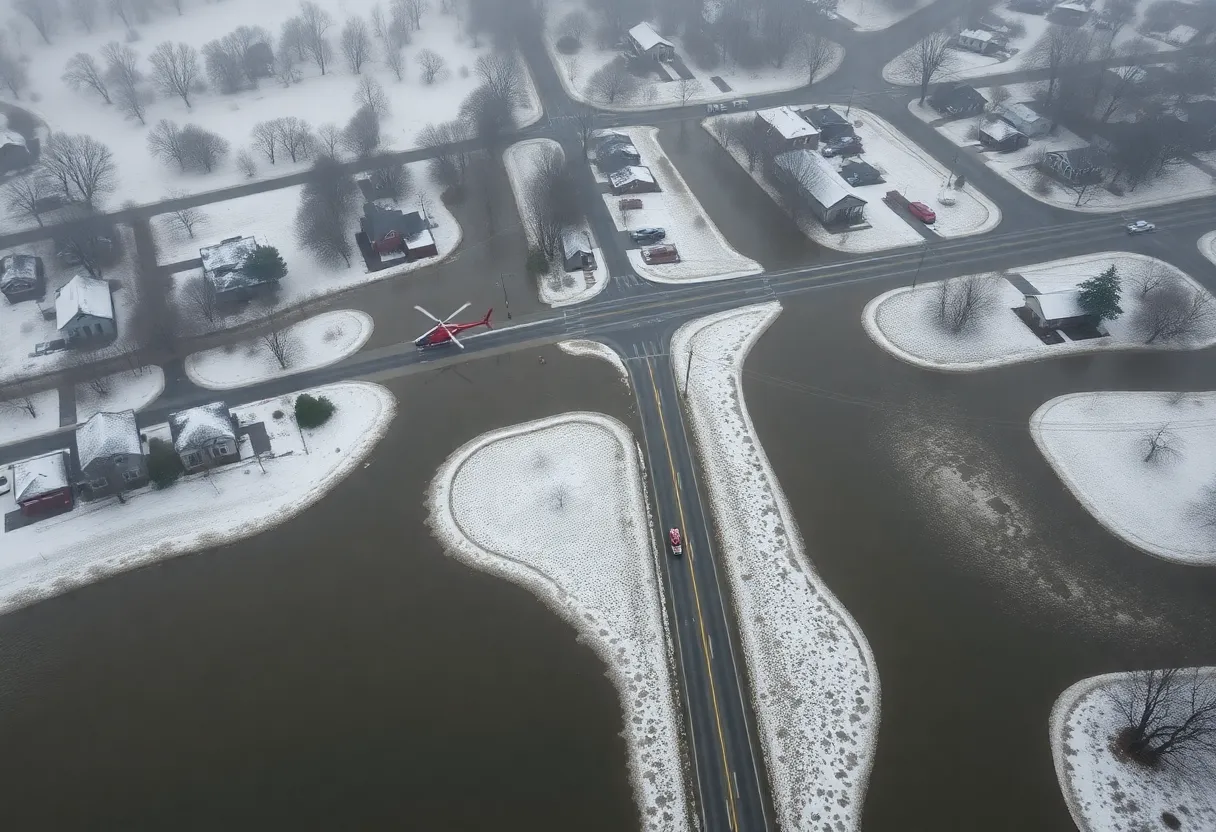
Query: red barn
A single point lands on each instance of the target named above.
(389, 231)
(41, 485)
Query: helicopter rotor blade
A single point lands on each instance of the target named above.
(429, 315)
(458, 311)
(455, 340)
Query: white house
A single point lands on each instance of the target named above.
(647, 43)
(633, 179)
(204, 436)
(1024, 119)
(784, 129)
(84, 310)
(1052, 310)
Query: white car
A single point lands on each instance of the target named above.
(1140, 227)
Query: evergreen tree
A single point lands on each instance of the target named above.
(1100, 295)
(265, 263)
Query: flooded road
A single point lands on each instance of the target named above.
(338, 672)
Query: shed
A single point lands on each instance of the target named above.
(1024, 119)
(980, 41)
(204, 436)
(633, 179)
(952, 99)
(1052, 310)
(14, 152)
(784, 129)
(390, 230)
(577, 254)
(832, 200)
(1000, 135)
(41, 485)
(84, 310)
(858, 173)
(830, 124)
(646, 43)
(22, 277)
(110, 455)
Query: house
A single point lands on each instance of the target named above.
(577, 255)
(784, 129)
(84, 310)
(22, 277)
(816, 182)
(1069, 14)
(41, 485)
(204, 436)
(1080, 166)
(1052, 310)
(607, 138)
(110, 455)
(223, 270)
(957, 100)
(633, 179)
(858, 173)
(614, 151)
(389, 230)
(830, 124)
(646, 43)
(980, 41)
(1024, 119)
(1001, 136)
(14, 152)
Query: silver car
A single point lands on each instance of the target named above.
(1140, 227)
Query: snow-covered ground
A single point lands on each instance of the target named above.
(559, 287)
(813, 678)
(306, 345)
(1179, 182)
(270, 217)
(582, 472)
(875, 15)
(596, 349)
(704, 253)
(1207, 246)
(907, 169)
(16, 422)
(652, 94)
(1105, 793)
(903, 321)
(232, 502)
(317, 99)
(964, 64)
(128, 390)
(1097, 444)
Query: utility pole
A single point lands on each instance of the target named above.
(852, 90)
(924, 249)
(688, 369)
(502, 278)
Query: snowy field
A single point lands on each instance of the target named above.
(128, 390)
(813, 678)
(1097, 444)
(1105, 793)
(582, 472)
(576, 70)
(875, 15)
(18, 424)
(233, 502)
(559, 287)
(1179, 182)
(317, 99)
(270, 217)
(704, 253)
(907, 169)
(307, 345)
(1207, 246)
(596, 349)
(903, 321)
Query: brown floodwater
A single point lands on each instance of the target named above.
(337, 672)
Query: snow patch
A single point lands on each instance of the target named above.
(128, 390)
(16, 423)
(584, 346)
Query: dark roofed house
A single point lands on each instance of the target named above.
(14, 152)
(577, 255)
(390, 231)
(814, 180)
(858, 173)
(110, 455)
(223, 269)
(204, 436)
(612, 156)
(647, 43)
(957, 100)
(1001, 136)
(1080, 166)
(22, 277)
(830, 124)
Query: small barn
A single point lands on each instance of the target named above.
(832, 200)
(577, 254)
(22, 277)
(204, 436)
(84, 310)
(110, 455)
(633, 179)
(41, 484)
(389, 231)
(646, 43)
(1052, 310)
(1001, 136)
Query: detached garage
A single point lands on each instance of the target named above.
(41, 485)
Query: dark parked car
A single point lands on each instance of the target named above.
(647, 236)
(844, 146)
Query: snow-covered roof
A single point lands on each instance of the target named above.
(198, 425)
(998, 131)
(107, 434)
(976, 34)
(816, 175)
(1022, 112)
(8, 137)
(630, 173)
(227, 255)
(1065, 303)
(1073, 7)
(647, 38)
(40, 475)
(83, 296)
(1182, 35)
(18, 269)
(575, 240)
(787, 122)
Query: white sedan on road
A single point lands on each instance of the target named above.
(1140, 227)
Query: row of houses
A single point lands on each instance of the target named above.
(109, 457)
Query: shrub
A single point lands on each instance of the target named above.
(537, 262)
(164, 465)
(568, 45)
(313, 411)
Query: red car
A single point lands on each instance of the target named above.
(677, 543)
(922, 212)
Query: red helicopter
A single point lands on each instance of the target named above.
(444, 333)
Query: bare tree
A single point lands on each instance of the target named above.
(1166, 715)
(432, 64)
(81, 166)
(961, 300)
(686, 88)
(362, 133)
(285, 71)
(1153, 278)
(24, 195)
(411, 11)
(291, 39)
(817, 54)
(391, 181)
(83, 74)
(83, 12)
(501, 72)
(1161, 443)
(314, 23)
(325, 208)
(278, 340)
(204, 149)
(266, 138)
(1173, 311)
(329, 138)
(44, 14)
(392, 32)
(356, 44)
(487, 114)
(1059, 48)
(175, 69)
(929, 58)
(370, 94)
(584, 118)
(449, 162)
(165, 142)
(13, 74)
(124, 77)
(552, 202)
(200, 298)
(574, 25)
(15, 396)
(612, 81)
(245, 163)
(295, 135)
(394, 59)
(184, 219)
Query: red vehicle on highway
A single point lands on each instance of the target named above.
(677, 542)
(922, 212)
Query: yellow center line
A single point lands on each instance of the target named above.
(713, 693)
